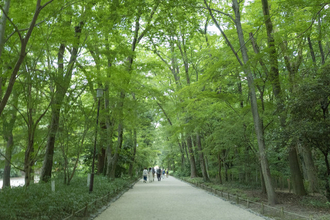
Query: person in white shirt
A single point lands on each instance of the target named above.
(145, 174)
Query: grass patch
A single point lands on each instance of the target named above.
(231, 188)
(313, 202)
(38, 201)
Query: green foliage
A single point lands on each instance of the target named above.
(38, 199)
(13, 173)
(306, 201)
(177, 79)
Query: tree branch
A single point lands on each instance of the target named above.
(25, 29)
(313, 20)
(220, 12)
(41, 7)
(15, 27)
(168, 119)
(223, 34)
(148, 24)
(11, 162)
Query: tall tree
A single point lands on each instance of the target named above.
(254, 106)
(62, 83)
(296, 175)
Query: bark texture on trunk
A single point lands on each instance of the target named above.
(46, 170)
(61, 88)
(193, 172)
(8, 153)
(8, 127)
(133, 152)
(201, 158)
(3, 25)
(311, 50)
(327, 175)
(274, 77)
(100, 160)
(272, 199)
(296, 175)
(310, 169)
(183, 161)
(219, 170)
(120, 130)
(28, 162)
(274, 72)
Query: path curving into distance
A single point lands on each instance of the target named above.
(172, 199)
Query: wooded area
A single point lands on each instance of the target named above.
(233, 90)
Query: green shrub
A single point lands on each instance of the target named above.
(38, 201)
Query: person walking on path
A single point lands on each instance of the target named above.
(145, 174)
(173, 200)
(159, 171)
(153, 174)
(150, 175)
(166, 173)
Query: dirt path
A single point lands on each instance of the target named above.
(173, 200)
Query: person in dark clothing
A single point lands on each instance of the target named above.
(159, 172)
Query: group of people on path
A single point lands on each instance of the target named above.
(149, 175)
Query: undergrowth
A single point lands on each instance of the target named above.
(239, 188)
(317, 203)
(38, 201)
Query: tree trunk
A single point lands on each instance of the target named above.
(8, 153)
(28, 162)
(201, 158)
(8, 136)
(182, 156)
(184, 145)
(130, 170)
(254, 108)
(274, 77)
(219, 170)
(110, 132)
(327, 175)
(310, 169)
(274, 72)
(46, 170)
(263, 186)
(311, 50)
(296, 175)
(109, 121)
(207, 166)
(61, 88)
(193, 172)
(120, 130)
(66, 167)
(226, 172)
(3, 25)
(100, 160)
(319, 41)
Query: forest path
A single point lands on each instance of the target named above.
(174, 200)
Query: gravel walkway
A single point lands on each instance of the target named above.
(173, 200)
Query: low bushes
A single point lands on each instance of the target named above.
(39, 202)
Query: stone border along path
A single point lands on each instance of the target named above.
(173, 200)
